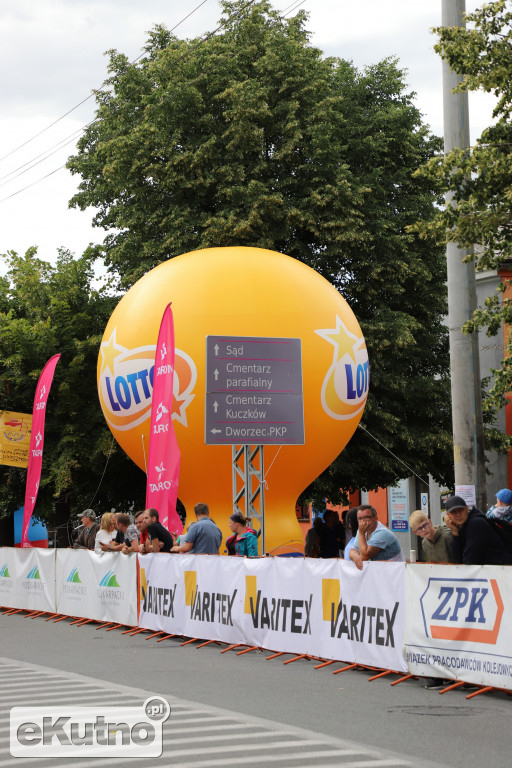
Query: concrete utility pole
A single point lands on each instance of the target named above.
(468, 448)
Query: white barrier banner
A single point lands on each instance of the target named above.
(193, 595)
(27, 578)
(360, 615)
(324, 608)
(459, 623)
(101, 587)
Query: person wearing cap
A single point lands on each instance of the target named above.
(502, 510)
(87, 536)
(474, 541)
(435, 540)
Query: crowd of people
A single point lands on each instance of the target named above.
(115, 532)
(468, 535)
(358, 537)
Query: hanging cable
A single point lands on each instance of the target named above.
(43, 130)
(394, 455)
(103, 473)
(187, 53)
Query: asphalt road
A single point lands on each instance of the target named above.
(245, 710)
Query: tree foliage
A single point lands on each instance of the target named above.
(479, 178)
(252, 137)
(44, 310)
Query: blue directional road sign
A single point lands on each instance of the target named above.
(254, 391)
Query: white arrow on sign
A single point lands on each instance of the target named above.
(216, 348)
(215, 431)
(215, 407)
(216, 374)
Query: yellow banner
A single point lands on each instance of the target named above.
(15, 431)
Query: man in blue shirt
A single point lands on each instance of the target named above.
(203, 538)
(373, 542)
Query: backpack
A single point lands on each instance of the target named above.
(503, 529)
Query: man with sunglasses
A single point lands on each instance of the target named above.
(435, 540)
(474, 541)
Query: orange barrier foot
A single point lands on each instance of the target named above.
(381, 674)
(275, 655)
(486, 689)
(230, 647)
(453, 686)
(344, 669)
(208, 642)
(131, 630)
(61, 618)
(53, 616)
(297, 658)
(190, 640)
(166, 637)
(325, 664)
(116, 626)
(155, 634)
(248, 650)
(105, 624)
(403, 679)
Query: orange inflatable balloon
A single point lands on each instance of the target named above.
(236, 292)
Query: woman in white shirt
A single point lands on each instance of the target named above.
(106, 532)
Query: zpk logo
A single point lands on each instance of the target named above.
(126, 383)
(345, 387)
(462, 609)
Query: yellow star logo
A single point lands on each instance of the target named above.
(341, 338)
(109, 351)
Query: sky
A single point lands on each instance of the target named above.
(52, 55)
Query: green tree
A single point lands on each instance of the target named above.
(251, 137)
(44, 310)
(480, 177)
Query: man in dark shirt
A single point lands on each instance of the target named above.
(332, 538)
(87, 535)
(159, 538)
(474, 541)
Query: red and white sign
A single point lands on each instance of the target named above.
(164, 454)
(35, 453)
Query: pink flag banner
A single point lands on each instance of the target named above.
(164, 456)
(35, 452)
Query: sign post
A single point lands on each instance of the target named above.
(253, 398)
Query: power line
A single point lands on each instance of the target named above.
(39, 158)
(293, 6)
(43, 130)
(48, 152)
(23, 189)
(394, 455)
